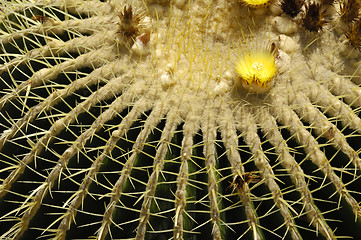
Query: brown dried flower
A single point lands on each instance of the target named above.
(129, 22)
(350, 10)
(314, 18)
(292, 7)
(354, 35)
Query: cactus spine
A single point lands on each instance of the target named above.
(128, 120)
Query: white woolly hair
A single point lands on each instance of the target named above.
(138, 129)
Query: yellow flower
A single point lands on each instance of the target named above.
(256, 70)
(255, 3)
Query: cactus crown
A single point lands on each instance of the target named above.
(124, 119)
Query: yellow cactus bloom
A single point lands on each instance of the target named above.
(255, 3)
(256, 70)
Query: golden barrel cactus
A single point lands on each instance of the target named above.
(179, 119)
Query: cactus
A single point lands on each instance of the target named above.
(132, 119)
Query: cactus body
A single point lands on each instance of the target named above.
(127, 120)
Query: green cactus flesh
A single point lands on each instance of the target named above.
(128, 120)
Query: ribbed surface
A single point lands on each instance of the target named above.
(109, 134)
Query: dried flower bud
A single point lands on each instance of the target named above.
(129, 22)
(354, 35)
(350, 10)
(314, 18)
(291, 7)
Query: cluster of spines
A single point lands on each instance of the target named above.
(243, 177)
(314, 13)
(353, 35)
(314, 16)
(350, 14)
(350, 10)
(292, 7)
(130, 26)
